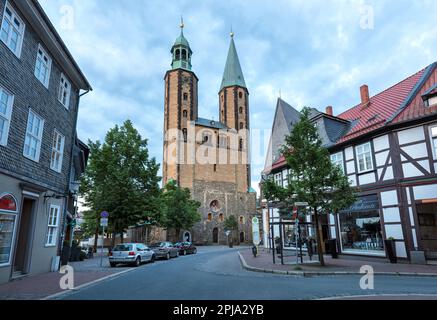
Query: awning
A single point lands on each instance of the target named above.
(363, 204)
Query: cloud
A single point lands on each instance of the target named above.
(315, 52)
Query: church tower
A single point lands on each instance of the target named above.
(234, 110)
(180, 106)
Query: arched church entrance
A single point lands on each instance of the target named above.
(215, 235)
(187, 236)
(242, 236)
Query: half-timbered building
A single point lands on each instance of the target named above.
(387, 146)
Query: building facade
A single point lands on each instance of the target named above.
(40, 87)
(386, 145)
(209, 157)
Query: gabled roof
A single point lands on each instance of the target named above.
(233, 75)
(285, 117)
(382, 107)
(210, 123)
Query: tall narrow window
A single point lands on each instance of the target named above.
(184, 113)
(241, 145)
(240, 95)
(241, 125)
(12, 30)
(364, 157)
(53, 225)
(43, 66)
(57, 152)
(32, 143)
(337, 159)
(184, 133)
(178, 54)
(64, 91)
(184, 54)
(241, 110)
(6, 102)
(185, 96)
(434, 140)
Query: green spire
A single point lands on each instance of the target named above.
(181, 51)
(233, 75)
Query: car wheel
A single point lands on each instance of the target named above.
(153, 258)
(112, 264)
(167, 257)
(137, 262)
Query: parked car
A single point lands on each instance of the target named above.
(131, 253)
(185, 248)
(165, 250)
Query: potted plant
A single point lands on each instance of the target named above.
(390, 248)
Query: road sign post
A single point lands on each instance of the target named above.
(103, 223)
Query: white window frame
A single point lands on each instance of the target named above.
(6, 117)
(433, 140)
(358, 154)
(31, 135)
(278, 179)
(14, 232)
(63, 89)
(431, 101)
(57, 150)
(51, 226)
(19, 31)
(337, 159)
(40, 59)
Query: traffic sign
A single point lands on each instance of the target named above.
(104, 214)
(227, 233)
(255, 231)
(301, 204)
(104, 222)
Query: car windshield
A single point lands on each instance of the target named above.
(178, 244)
(159, 244)
(123, 247)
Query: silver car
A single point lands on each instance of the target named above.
(131, 253)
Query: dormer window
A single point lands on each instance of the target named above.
(431, 101)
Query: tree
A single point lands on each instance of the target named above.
(231, 224)
(120, 179)
(313, 177)
(178, 210)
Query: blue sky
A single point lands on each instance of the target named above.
(315, 52)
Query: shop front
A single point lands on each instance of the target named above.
(360, 227)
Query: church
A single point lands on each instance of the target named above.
(211, 158)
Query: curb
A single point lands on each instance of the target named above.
(66, 292)
(330, 273)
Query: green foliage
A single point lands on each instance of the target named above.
(316, 179)
(231, 223)
(178, 210)
(120, 179)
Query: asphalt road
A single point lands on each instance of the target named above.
(215, 273)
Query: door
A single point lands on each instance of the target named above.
(427, 218)
(187, 237)
(241, 236)
(22, 252)
(215, 235)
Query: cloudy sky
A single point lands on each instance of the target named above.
(317, 53)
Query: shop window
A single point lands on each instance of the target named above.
(8, 209)
(361, 231)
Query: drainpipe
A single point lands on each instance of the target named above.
(69, 173)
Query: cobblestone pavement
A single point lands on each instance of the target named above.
(344, 264)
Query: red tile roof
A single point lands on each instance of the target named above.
(381, 108)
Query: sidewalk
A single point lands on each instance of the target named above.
(345, 265)
(46, 284)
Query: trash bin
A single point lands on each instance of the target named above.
(333, 248)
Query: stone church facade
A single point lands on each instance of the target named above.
(209, 157)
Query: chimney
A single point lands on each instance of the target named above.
(329, 111)
(365, 99)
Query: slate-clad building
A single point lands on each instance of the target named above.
(387, 146)
(40, 87)
(193, 147)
